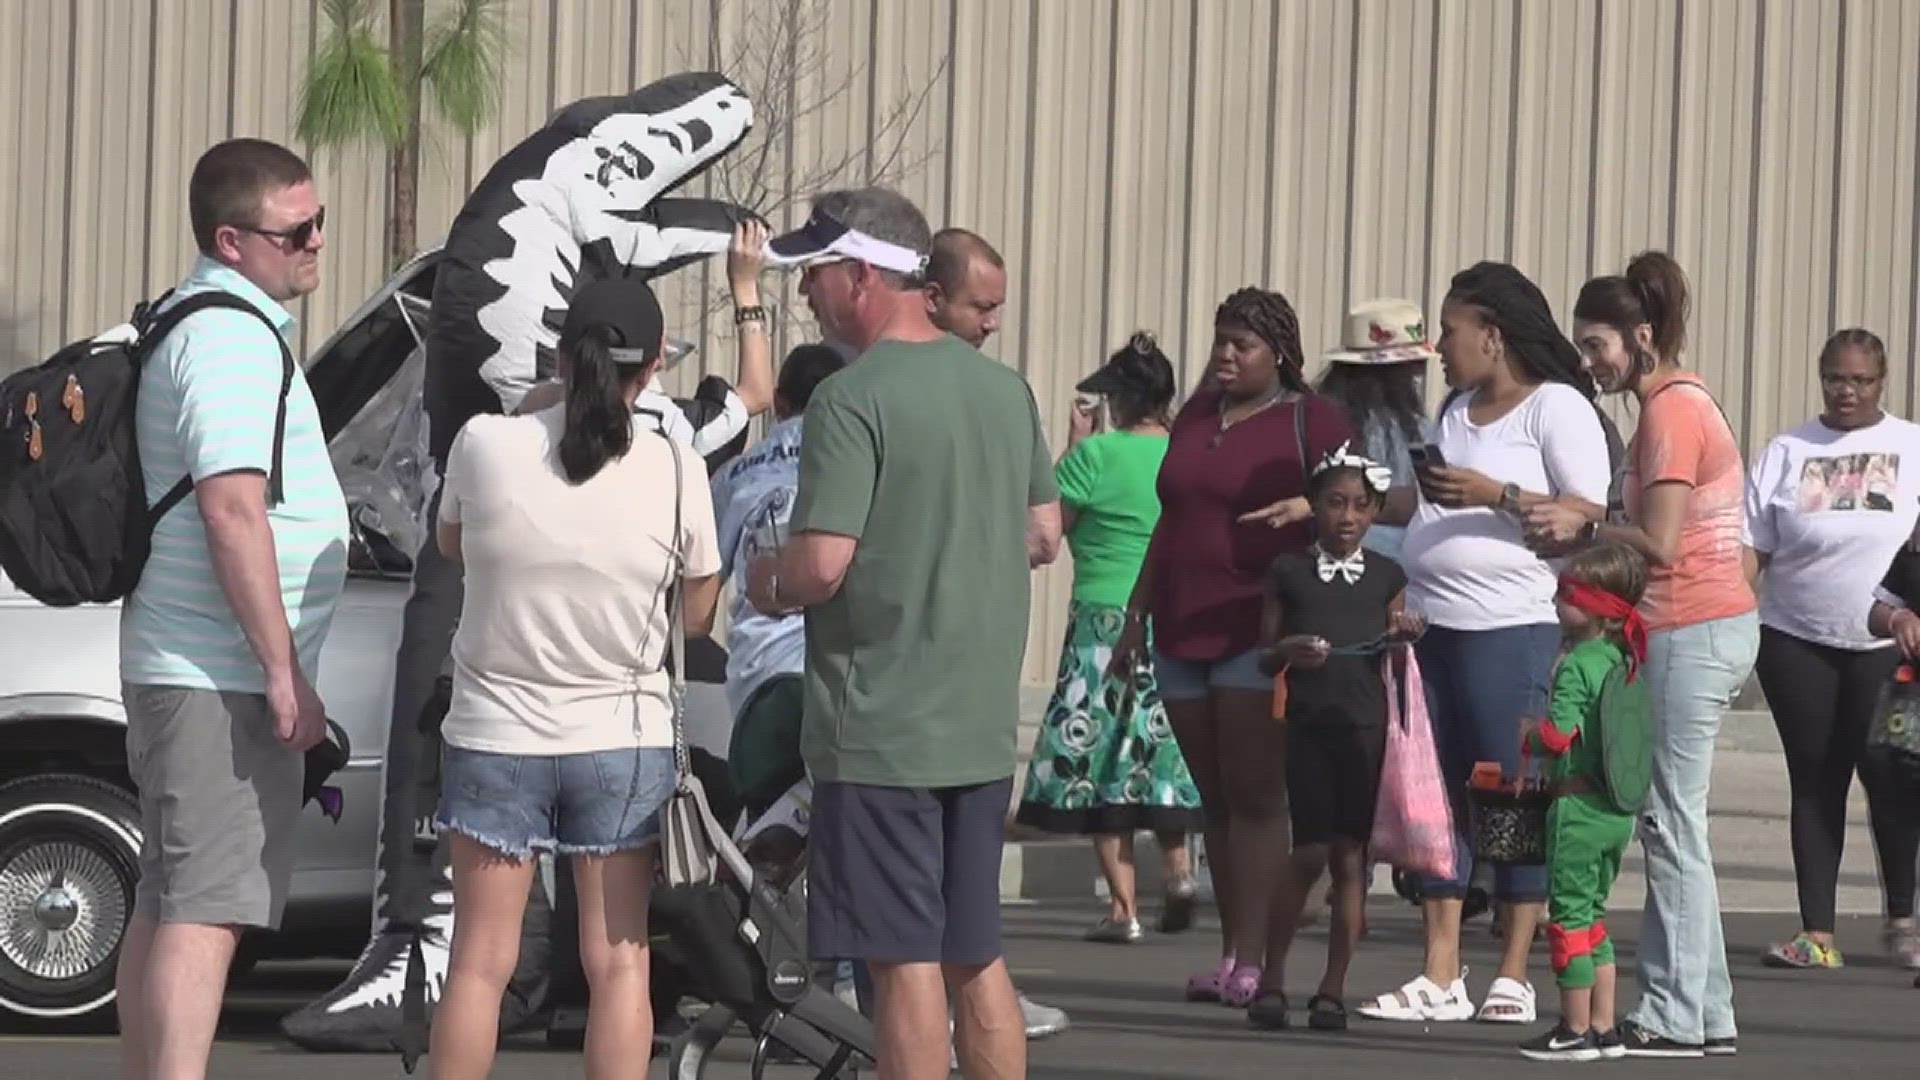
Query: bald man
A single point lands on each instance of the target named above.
(966, 286)
(966, 289)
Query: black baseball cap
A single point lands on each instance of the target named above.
(624, 305)
(1131, 368)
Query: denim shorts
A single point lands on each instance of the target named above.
(1189, 680)
(573, 804)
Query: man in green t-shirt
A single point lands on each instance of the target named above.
(926, 495)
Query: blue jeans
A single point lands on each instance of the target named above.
(1482, 685)
(1692, 672)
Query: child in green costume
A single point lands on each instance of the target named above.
(1587, 831)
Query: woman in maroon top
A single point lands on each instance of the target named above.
(1239, 446)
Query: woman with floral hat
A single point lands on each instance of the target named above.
(1378, 375)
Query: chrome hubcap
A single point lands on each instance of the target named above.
(61, 910)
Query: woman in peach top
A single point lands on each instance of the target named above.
(1685, 502)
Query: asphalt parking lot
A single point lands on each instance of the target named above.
(1130, 1024)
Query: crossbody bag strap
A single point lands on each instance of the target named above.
(677, 629)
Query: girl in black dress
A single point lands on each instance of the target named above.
(1331, 612)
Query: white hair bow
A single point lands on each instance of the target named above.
(1377, 476)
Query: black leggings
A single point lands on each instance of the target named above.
(1822, 700)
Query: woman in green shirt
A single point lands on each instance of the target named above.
(1105, 763)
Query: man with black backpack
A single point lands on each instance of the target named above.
(221, 636)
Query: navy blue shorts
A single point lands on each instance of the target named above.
(906, 875)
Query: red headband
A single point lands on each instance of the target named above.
(1602, 604)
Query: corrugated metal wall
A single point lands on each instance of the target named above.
(1135, 160)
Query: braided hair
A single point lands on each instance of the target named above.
(1510, 301)
(1271, 318)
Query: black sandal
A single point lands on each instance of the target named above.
(1326, 1013)
(1269, 1011)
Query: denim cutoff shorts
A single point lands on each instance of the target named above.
(573, 804)
(1191, 680)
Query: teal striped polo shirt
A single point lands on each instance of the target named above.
(207, 399)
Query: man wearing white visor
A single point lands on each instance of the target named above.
(910, 555)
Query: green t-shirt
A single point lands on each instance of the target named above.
(1575, 710)
(1108, 481)
(929, 455)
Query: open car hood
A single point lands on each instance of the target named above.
(366, 381)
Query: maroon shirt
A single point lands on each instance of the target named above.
(1210, 570)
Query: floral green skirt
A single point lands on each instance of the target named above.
(1105, 760)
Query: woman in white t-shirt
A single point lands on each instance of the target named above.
(1828, 504)
(1520, 429)
(559, 736)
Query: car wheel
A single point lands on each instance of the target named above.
(69, 854)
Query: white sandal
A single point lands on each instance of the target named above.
(1422, 999)
(1509, 1001)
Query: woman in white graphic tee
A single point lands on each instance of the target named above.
(1828, 505)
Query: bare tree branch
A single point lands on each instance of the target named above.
(781, 54)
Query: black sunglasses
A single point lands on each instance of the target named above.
(299, 236)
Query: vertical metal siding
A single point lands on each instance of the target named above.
(1134, 160)
(1874, 254)
(1794, 247)
(37, 131)
(1715, 190)
(1309, 169)
(1397, 72)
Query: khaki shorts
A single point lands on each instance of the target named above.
(219, 802)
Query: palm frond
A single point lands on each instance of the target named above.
(350, 93)
(465, 52)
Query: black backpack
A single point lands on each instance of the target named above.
(75, 527)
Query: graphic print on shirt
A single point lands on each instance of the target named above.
(1848, 482)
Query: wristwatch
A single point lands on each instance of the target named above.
(1510, 499)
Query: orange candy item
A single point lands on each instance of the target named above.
(1280, 695)
(1486, 776)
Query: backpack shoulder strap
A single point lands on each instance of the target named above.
(165, 323)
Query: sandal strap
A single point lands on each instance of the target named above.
(1417, 992)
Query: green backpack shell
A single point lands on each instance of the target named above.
(1626, 739)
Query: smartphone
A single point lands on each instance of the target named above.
(1427, 457)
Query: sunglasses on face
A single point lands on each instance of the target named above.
(299, 236)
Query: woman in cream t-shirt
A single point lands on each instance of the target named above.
(559, 736)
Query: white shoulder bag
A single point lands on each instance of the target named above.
(688, 852)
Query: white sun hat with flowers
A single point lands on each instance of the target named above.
(1385, 331)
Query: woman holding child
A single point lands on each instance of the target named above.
(1684, 493)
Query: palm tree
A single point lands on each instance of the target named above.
(360, 90)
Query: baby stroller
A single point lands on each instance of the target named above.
(742, 937)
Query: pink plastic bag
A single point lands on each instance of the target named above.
(1413, 820)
